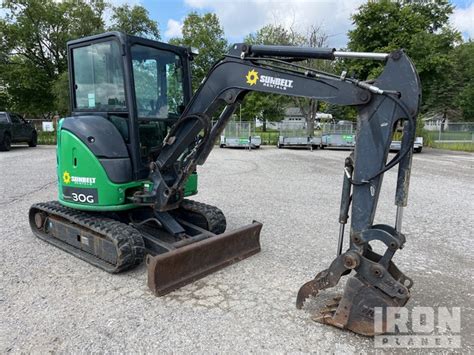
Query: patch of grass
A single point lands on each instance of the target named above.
(46, 138)
(450, 136)
(466, 147)
(269, 137)
(260, 130)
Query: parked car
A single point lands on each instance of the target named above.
(15, 129)
(417, 145)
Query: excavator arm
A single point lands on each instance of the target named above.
(393, 96)
(382, 104)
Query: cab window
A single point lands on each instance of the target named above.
(159, 94)
(158, 79)
(98, 77)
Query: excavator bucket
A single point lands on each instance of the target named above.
(355, 309)
(174, 269)
(373, 286)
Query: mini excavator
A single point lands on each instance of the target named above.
(127, 158)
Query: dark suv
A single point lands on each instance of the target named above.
(15, 129)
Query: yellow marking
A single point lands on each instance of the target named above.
(252, 77)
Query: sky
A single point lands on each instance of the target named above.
(241, 17)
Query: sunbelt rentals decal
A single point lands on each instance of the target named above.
(80, 180)
(269, 81)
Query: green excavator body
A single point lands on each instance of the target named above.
(83, 182)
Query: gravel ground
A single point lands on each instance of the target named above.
(50, 301)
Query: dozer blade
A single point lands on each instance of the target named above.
(170, 271)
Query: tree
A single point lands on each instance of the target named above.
(267, 107)
(315, 38)
(204, 33)
(278, 35)
(60, 91)
(134, 21)
(463, 59)
(34, 35)
(422, 29)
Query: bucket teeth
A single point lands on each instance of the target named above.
(308, 289)
(322, 318)
(354, 310)
(334, 303)
(329, 308)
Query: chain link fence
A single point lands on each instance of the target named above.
(236, 129)
(342, 127)
(456, 132)
(340, 134)
(240, 134)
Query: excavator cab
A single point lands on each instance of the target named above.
(138, 86)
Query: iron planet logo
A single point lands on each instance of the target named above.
(269, 81)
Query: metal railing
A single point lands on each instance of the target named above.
(237, 129)
(338, 128)
(293, 129)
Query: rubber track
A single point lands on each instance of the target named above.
(127, 240)
(216, 222)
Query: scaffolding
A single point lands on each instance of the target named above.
(240, 134)
(295, 134)
(341, 134)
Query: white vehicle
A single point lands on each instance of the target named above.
(417, 146)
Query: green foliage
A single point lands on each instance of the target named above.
(422, 29)
(204, 33)
(47, 138)
(268, 107)
(29, 87)
(4, 101)
(60, 90)
(463, 85)
(34, 35)
(264, 106)
(466, 147)
(465, 100)
(274, 35)
(39, 29)
(134, 21)
(268, 137)
(348, 113)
